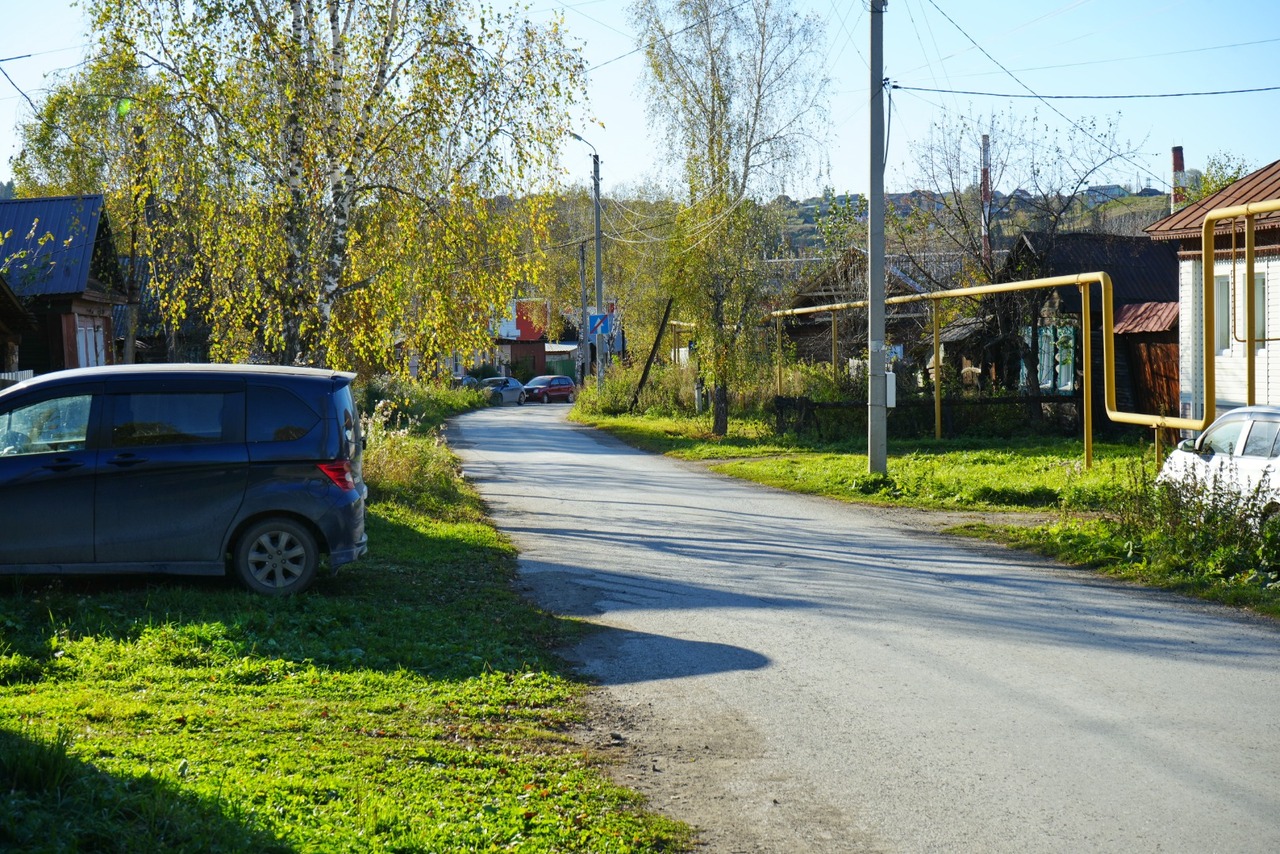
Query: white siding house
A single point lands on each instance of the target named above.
(1227, 339)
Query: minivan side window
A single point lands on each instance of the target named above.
(60, 424)
(167, 418)
(1261, 439)
(277, 415)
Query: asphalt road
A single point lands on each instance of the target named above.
(803, 675)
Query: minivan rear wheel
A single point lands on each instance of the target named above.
(277, 557)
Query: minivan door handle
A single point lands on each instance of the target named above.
(126, 460)
(62, 464)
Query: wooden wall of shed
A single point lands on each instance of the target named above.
(1153, 360)
(1146, 376)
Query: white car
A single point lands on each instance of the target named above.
(1238, 451)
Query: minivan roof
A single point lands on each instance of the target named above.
(109, 371)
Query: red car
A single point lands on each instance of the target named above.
(547, 389)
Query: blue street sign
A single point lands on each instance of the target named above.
(598, 323)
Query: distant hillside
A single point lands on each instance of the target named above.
(1128, 214)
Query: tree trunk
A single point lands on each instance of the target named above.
(720, 407)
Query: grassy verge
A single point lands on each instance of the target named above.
(1111, 517)
(407, 704)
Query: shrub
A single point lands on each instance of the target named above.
(1203, 529)
(399, 466)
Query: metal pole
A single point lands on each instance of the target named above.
(583, 353)
(877, 444)
(777, 343)
(595, 192)
(835, 349)
(937, 371)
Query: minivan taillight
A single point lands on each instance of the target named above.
(340, 474)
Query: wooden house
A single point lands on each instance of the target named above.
(1144, 276)
(811, 335)
(15, 321)
(61, 263)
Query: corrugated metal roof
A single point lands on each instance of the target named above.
(58, 246)
(1258, 186)
(845, 281)
(963, 329)
(1146, 317)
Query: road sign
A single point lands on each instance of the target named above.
(598, 324)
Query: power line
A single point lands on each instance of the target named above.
(1114, 59)
(667, 36)
(1039, 97)
(1118, 155)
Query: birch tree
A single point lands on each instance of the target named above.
(736, 88)
(338, 181)
(1044, 171)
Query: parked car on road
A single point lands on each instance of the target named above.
(184, 470)
(465, 381)
(504, 390)
(548, 388)
(1238, 451)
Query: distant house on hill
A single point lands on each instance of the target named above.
(1103, 193)
(61, 263)
(1183, 231)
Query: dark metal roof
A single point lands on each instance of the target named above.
(1146, 317)
(963, 329)
(1141, 269)
(846, 281)
(1259, 186)
(59, 246)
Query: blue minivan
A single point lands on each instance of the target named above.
(182, 469)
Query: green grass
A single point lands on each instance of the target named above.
(970, 474)
(408, 704)
(1108, 517)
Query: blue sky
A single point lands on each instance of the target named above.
(1046, 47)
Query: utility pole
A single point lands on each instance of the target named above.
(595, 198)
(583, 353)
(595, 195)
(877, 443)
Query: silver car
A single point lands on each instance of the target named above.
(504, 390)
(1239, 451)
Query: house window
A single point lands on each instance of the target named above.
(1056, 359)
(91, 341)
(1221, 314)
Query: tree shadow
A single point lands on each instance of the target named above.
(39, 781)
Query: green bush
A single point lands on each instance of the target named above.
(404, 401)
(1203, 530)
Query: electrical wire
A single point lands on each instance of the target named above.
(667, 36)
(1118, 155)
(1039, 97)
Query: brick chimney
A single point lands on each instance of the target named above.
(1179, 180)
